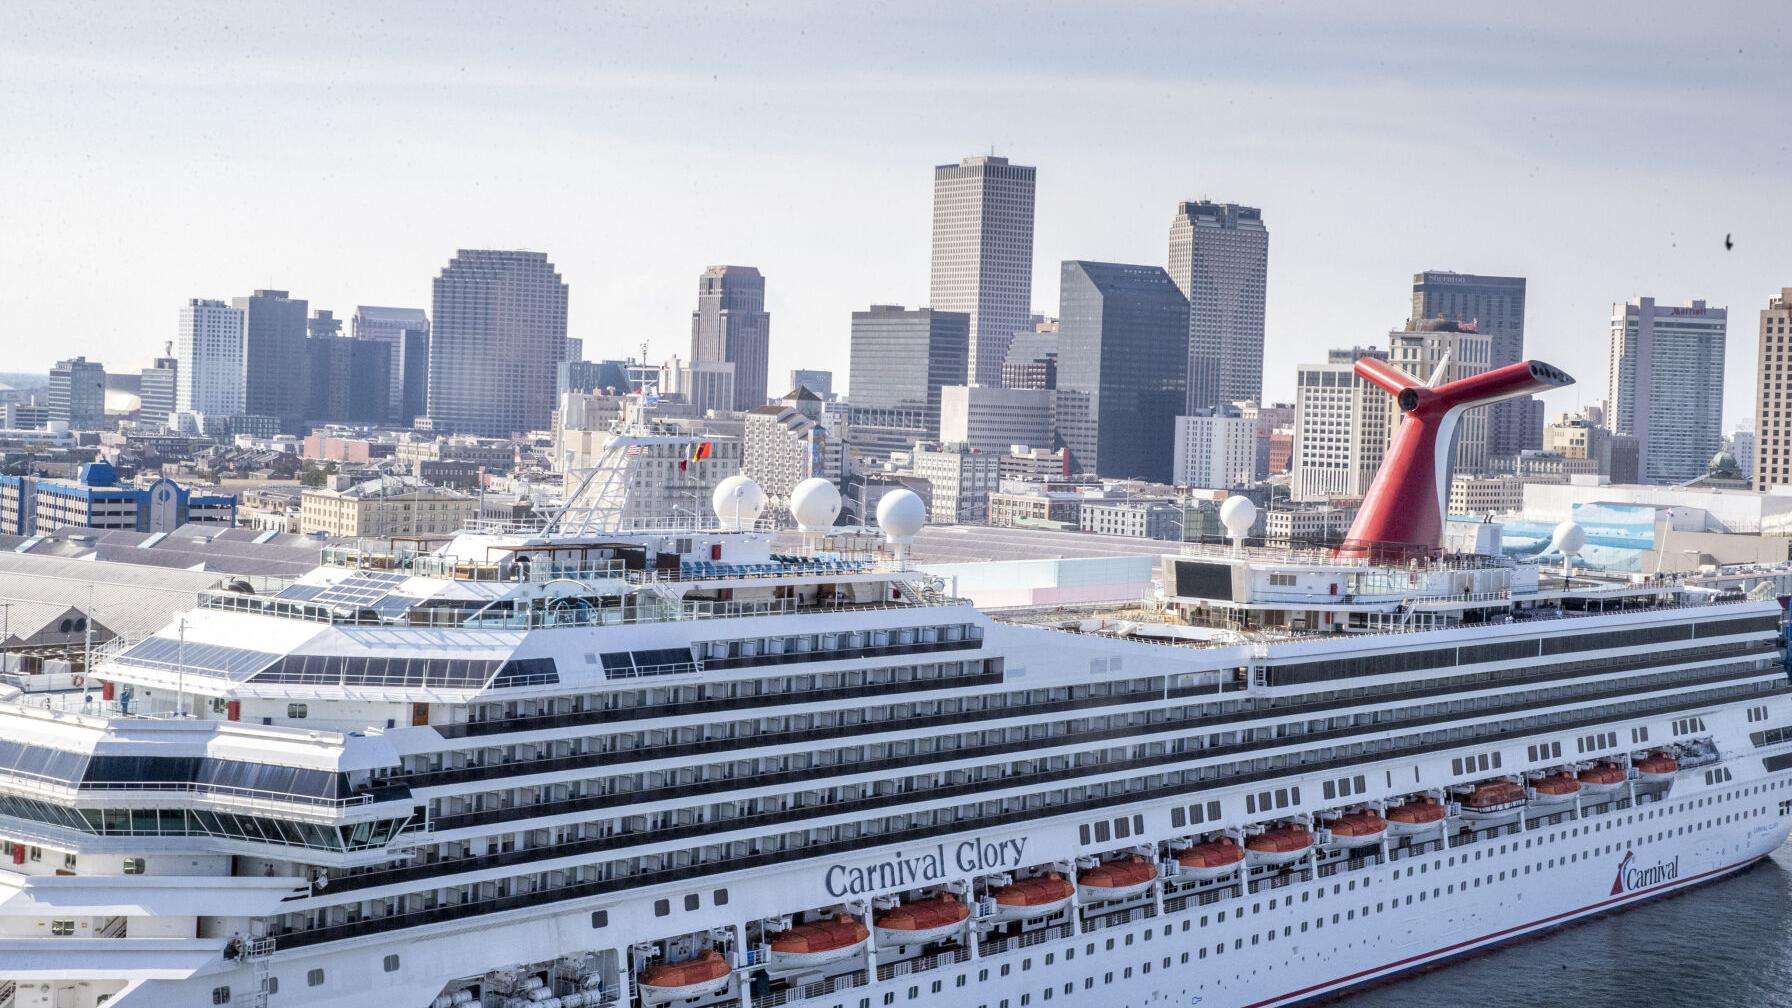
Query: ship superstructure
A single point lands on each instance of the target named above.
(672, 766)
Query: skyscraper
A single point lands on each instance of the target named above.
(157, 391)
(77, 393)
(1773, 395)
(499, 333)
(1219, 258)
(983, 254)
(209, 346)
(731, 325)
(406, 332)
(274, 328)
(1122, 368)
(901, 358)
(1496, 305)
(1667, 385)
(1341, 428)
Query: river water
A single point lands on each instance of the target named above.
(1724, 945)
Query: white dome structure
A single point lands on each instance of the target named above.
(1568, 539)
(1239, 516)
(738, 502)
(900, 514)
(815, 503)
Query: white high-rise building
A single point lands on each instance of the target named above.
(1219, 257)
(1461, 349)
(1340, 428)
(983, 254)
(209, 348)
(1667, 385)
(995, 419)
(1215, 448)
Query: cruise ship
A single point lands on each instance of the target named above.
(606, 763)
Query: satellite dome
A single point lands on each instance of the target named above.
(901, 514)
(1568, 538)
(737, 501)
(815, 503)
(1239, 516)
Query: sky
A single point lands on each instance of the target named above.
(156, 152)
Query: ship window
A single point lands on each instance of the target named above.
(314, 978)
(62, 928)
(390, 964)
(220, 995)
(720, 897)
(661, 907)
(691, 902)
(297, 710)
(600, 918)
(133, 866)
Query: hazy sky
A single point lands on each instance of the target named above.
(155, 152)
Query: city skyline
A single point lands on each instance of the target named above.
(1595, 230)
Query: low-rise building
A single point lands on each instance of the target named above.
(1215, 448)
(1149, 518)
(1485, 495)
(962, 479)
(1307, 524)
(384, 506)
(96, 499)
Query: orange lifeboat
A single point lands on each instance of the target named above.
(1415, 816)
(663, 983)
(1493, 799)
(1118, 879)
(1554, 789)
(1357, 829)
(1278, 845)
(1602, 778)
(918, 922)
(1032, 897)
(1658, 767)
(1211, 859)
(816, 943)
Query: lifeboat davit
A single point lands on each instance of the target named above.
(1032, 897)
(1211, 859)
(1357, 829)
(1415, 816)
(1554, 789)
(817, 943)
(663, 983)
(1492, 800)
(1279, 845)
(918, 922)
(1118, 879)
(1602, 778)
(1658, 768)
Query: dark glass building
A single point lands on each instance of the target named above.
(902, 357)
(1496, 305)
(274, 333)
(1122, 368)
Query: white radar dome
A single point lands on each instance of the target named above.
(815, 503)
(1239, 516)
(901, 514)
(1568, 538)
(737, 501)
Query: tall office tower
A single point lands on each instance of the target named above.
(731, 325)
(819, 382)
(499, 332)
(156, 388)
(348, 380)
(1773, 395)
(274, 326)
(1219, 258)
(77, 393)
(209, 346)
(1341, 426)
(406, 332)
(983, 254)
(1461, 350)
(1122, 368)
(1667, 385)
(901, 358)
(323, 322)
(1496, 305)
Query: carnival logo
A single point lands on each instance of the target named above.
(903, 869)
(1631, 878)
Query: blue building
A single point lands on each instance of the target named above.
(32, 505)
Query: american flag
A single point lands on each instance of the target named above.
(635, 449)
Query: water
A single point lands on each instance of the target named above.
(1723, 945)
